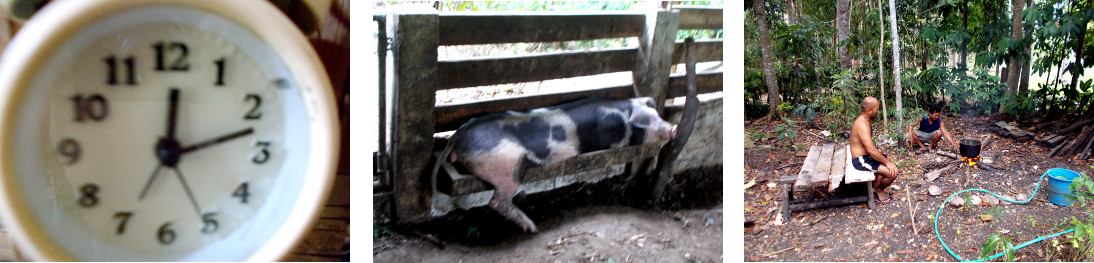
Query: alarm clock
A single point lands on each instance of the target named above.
(163, 130)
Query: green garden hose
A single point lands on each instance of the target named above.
(1039, 239)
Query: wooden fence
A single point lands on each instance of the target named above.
(415, 75)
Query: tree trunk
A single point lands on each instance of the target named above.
(792, 11)
(1024, 84)
(1015, 67)
(773, 98)
(896, 60)
(880, 59)
(1079, 65)
(965, 41)
(843, 30)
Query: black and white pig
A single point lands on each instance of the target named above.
(497, 148)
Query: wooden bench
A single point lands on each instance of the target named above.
(825, 167)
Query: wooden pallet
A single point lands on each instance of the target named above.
(826, 167)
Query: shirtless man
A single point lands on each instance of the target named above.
(864, 154)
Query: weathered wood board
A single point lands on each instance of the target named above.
(1012, 132)
(839, 164)
(824, 166)
(807, 169)
(855, 175)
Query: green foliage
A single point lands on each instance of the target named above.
(756, 135)
(808, 111)
(1081, 189)
(785, 107)
(1077, 247)
(998, 242)
(786, 130)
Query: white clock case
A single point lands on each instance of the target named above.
(60, 19)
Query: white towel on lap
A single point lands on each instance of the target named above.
(855, 175)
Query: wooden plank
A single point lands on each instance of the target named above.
(853, 175)
(807, 169)
(414, 49)
(824, 166)
(1057, 140)
(700, 17)
(839, 163)
(706, 50)
(454, 183)
(451, 116)
(706, 82)
(828, 203)
(654, 56)
(518, 27)
(500, 70)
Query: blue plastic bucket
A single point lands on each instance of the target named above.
(1059, 184)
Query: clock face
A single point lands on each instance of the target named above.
(161, 133)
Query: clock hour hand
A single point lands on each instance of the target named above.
(217, 140)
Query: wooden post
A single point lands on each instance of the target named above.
(652, 68)
(656, 44)
(414, 49)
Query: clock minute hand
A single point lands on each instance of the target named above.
(217, 140)
(172, 112)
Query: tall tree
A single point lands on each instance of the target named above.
(896, 61)
(964, 39)
(1023, 85)
(773, 99)
(843, 31)
(1077, 68)
(1015, 64)
(880, 61)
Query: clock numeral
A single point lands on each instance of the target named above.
(89, 198)
(209, 223)
(242, 193)
(92, 107)
(253, 114)
(112, 71)
(220, 72)
(166, 235)
(263, 154)
(179, 64)
(123, 218)
(71, 149)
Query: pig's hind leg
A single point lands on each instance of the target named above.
(503, 172)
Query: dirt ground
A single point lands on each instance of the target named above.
(857, 233)
(601, 222)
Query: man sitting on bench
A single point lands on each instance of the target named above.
(931, 129)
(864, 154)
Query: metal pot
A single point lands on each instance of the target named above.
(970, 148)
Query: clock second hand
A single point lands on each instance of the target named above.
(186, 187)
(150, 180)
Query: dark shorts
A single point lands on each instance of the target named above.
(866, 163)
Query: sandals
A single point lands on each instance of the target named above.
(890, 199)
(920, 151)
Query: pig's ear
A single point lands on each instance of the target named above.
(646, 100)
(640, 118)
